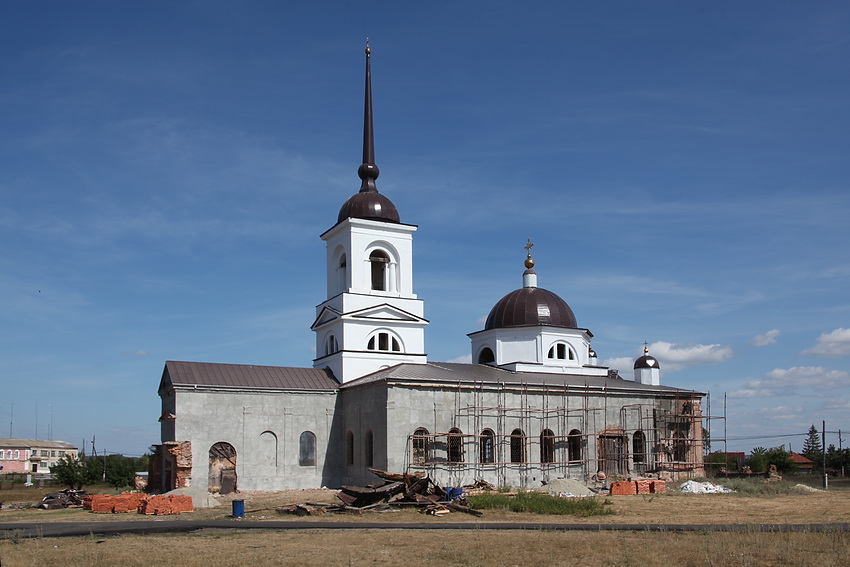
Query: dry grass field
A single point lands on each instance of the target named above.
(215, 547)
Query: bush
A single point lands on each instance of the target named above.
(537, 503)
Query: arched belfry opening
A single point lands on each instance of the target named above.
(379, 263)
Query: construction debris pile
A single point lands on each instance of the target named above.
(151, 504)
(63, 499)
(396, 490)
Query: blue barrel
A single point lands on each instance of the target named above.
(238, 509)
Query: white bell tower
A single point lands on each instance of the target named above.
(371, 318)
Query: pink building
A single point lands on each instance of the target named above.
(32, 455)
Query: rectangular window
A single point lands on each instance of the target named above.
(61, 453)
(52, 453)
(44, 452)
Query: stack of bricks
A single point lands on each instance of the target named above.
(162, 505)
(622, 488)
(627, 488)
(136, 502)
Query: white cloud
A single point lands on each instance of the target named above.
(768, 338)
(747, 393)
(676, 357)
(465, 359)
(801, 376)
(835, 344)
(136, 353)
(621, 363)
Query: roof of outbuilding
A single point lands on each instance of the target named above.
(249, 376)
(40, 443)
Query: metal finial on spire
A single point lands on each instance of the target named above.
(529, 262)
(368, 171)
(645, 348)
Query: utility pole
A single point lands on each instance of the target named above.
(11, 419)
(823, 444)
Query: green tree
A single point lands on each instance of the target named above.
(837, 460)
(70, 471)
(812, 448)
(761, 459)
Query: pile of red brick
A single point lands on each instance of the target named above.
(629, 487)
(137, 502)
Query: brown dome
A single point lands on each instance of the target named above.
(647, 361)
(530, 307)
(369, 205)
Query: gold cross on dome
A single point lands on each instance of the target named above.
(529, 246)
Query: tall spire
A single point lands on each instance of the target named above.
(368, 171)
(368, 203)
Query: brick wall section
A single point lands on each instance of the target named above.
(659, 487)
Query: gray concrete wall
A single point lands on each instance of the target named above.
(265, 429)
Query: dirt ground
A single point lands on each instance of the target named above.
(675, 508)
(217, 547)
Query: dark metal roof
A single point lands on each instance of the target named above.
(529, 307)
(38, 443)
(368, 203)
(452, 373)
(247, 376)
(647, 361)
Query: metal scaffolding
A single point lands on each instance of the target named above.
(556, 431)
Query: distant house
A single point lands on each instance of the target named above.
(32, 455)
(804, 464)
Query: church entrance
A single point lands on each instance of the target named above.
(612, 453)
(222, 477)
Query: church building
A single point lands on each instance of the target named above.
(533, 406)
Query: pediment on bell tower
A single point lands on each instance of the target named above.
(384, 312)
(326, 315)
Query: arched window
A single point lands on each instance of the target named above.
(384, 342)
(574, 446)
(420, 446)
(638, 447)
(369, 449)
(307, 449)
(488, 446)
(561, 351)
(349, 448)
(379, 262)
(331, 345)
(454, 447)
(342, 273)
(17, 453)
(486, 356)
(517, 446)
(547, 446)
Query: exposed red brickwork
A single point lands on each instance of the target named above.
(643, 486)
(171, 466)
(658, 487)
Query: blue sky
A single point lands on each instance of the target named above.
(167, 167)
